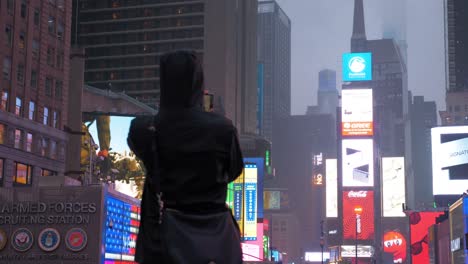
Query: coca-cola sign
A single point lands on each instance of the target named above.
(357, 194)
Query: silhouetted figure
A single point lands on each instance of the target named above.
(195, 155)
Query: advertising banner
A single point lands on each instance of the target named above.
(419, 224)
(357, 67)
(393, 186)
(394, 242)
(276, 199)
(331, 187)
(363, 251)
(260, 162)
(358, 215)
(318, 178)
(358, 162)
(250, 208)
(449, 160)
(357, 112)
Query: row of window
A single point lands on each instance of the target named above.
(92, 4)
(145, 48)
(25, 140)
(142, 24)
(121, 75)
(457, 108)
(49, 117)
(22, 174)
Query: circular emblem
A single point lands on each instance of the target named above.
(3, 239)
(22, 239)
(49, 239)
(347, 125)
(76, 239)
(357, 64)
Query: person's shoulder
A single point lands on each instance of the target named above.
(215, 119)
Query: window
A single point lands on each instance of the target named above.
(50, 56)
(58, 89)
(8, 35)
(51, 25)
(44, 145)
(29, 142)
(4, 103)
(22, 174)
(32, 109)
(48, 86)
(55, 118)
(19, 106)
(1, 171)
(18, 138)
(33, 79)
(2, 134)
(36, 17)
(457, 108)
(10, 6)
(7, 68)
(22, 40)
(61, 5)
(23, 9)
(45, 172)
(45, 119)
(60, 60)
(35, 48)
(53, 149)
(60, 31)
(20, 74)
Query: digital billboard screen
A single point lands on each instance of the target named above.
(449, 160)
(245, 201)
(358, 215)
(331, 177)
(358, 162)
(105, 153)
(348, 251)
(357, 112)
(357, 67)
(276, 199)
(419, 225)
(393, 186)
(395, 243)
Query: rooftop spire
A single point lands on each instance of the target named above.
(359, 38)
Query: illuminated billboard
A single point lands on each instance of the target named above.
(394, 242)
(105, 154)
(363, 251)
(331, 187)
(419, 225)
(358, 215)
(393, 186)
(318, 178)
(358, 162)
(449, 160)
(357, 67)
(275, 199)
(357, 112)
(245, 201)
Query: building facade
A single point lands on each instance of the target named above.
(328, 97)
(124, 40)
(423, 115)
(456, 45)
(456, 112)
(34, 50)
(394, 24)
(274, 54)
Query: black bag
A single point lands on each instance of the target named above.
(189, 238)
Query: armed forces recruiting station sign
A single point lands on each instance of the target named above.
(50, 225)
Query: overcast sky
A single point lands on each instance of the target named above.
(321, 31)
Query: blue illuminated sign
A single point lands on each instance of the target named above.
(238, 201)
(260, 162)
(357, 67)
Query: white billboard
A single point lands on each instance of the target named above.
(357, 112)
(449, 160)
(393, 186)
(357, 162)
(331, 185)
(363, 251)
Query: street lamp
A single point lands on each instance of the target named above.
(358, 212)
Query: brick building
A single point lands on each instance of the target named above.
(34, 51)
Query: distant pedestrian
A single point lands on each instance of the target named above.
(190, 157)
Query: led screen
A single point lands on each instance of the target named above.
(393, 189)
(358, 214)
(357, 67)
(394, 242)
(358, 162)
(121, 230)
(419, 224)
(105, 153)
(275, 199)
(450, 160)
(260, 162)
(363, 251)
(331, 187)
(357, 112)
(245, 201)
(316, 256)
(253, 250)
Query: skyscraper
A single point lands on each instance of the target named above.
(456, 45)
(423, 115)
(125, 39)
(35, 49)
(274, 53)
(328, 99)
(394, 24)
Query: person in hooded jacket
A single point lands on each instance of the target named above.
(198, 151)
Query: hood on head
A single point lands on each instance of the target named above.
(181, 80)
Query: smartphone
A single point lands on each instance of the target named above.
(208, 102)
